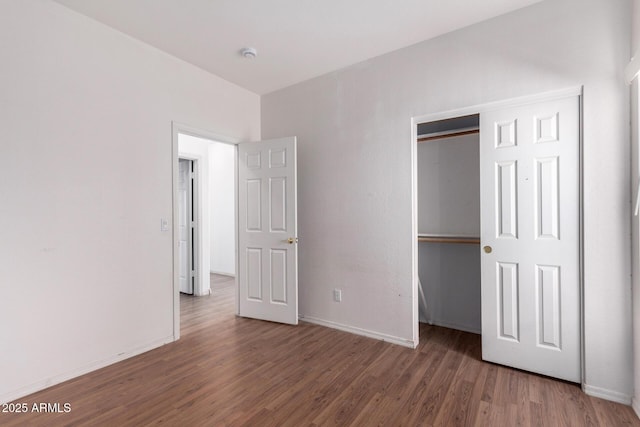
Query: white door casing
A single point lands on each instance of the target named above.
(267, 230)
(530, 198)
(185, 226)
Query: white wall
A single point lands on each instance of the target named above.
(215, 206)
(222, 205)
(450, 279)
(449, 186)
(86, 115)
(354, 134)
(635, 221)
(635, 250)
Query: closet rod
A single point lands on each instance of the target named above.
(446, 238)
(448, 134)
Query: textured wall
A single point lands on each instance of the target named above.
(354, 136)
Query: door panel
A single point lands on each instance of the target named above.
(546, 198)
(548, 301)
(278, 276)
(529, 167)
(254, 205)
(278, 211)
(267, 232)
(508, 288)
(507, 198)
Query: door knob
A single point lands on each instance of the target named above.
(292, 240)
(487, 249)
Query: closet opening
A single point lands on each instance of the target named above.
(497, 249)
(448, 217)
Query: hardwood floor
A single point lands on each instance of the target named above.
(232, 371)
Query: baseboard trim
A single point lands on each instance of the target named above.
(454, 326)
(222, 273)
(607, 394)
(359, 331)
(57, 379)
(635, 404)
(204, 293)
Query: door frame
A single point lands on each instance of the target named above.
(479, 109)
(177, 129)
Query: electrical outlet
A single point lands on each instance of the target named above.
(337, 295)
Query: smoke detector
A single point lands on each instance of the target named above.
(249, 53)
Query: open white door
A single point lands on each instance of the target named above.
(529, 172)
(186, 269)
(267, 230)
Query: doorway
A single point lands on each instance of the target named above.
(205, 163)
(449, 222)
(530, 231)
(267, 286)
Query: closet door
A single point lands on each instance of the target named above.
(529, 172)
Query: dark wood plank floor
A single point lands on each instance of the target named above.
(232, 371)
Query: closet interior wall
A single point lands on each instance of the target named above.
(449, 205)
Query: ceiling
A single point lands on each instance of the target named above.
(295, 39)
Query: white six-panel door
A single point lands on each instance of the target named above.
(529, 167)
(267, 230)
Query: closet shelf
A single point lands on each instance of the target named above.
(448, 238)
(448, 134)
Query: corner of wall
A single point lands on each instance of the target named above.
(636, 406)
(607, 394)
(360, 331)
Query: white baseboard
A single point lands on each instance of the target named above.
(203, 293)
(454, 326)
(635, 404)
(57, 379)
(359, 331)
(222, 273)
(607, 394)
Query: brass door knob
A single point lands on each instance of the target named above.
(487, 249)
(292, 240)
